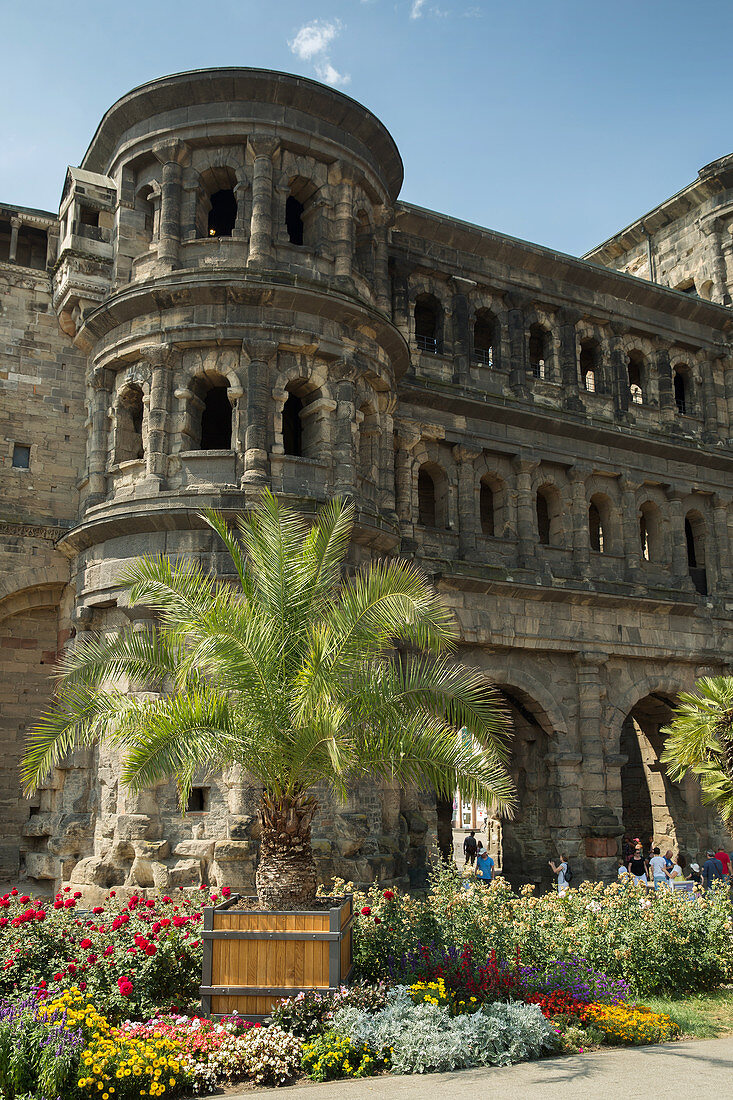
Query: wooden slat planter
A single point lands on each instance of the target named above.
(253, 958)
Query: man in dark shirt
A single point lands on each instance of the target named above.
(470, 846)
(712, 869)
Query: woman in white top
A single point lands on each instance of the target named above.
(658, 867)
(559, 870)
(676, 872)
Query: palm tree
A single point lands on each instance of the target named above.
(297, 674)
(700, 740)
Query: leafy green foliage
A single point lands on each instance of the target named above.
(700, 740)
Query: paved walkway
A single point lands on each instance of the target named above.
(686, 1070)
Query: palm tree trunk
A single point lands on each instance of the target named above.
(286, 874)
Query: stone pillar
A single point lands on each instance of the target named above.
(460, 332)
(711, 432)
(722, 542)
(577, 476)
(401, 297)
(517, 345)
(727, 368)
(343, 225)
(260, 353)
(468, 500)
(263, 148)
(156, 454)
(241, 224)
(101, 381)
(385, 218)
(601, 782)
(667, 407)
(619, 373)
(715, 230)
(630, 525)
(678, 545)
(526, 511)
(568, 319)
(172, 156)
(344, 457)
(15, 224)
(406, 442)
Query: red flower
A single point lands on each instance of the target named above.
(377, 920)
(225, 891)
(67, 889)
(366, 911)
(113, 893)
(59, 977)
(166, 898)
(24, 899)
(109, 950)
(92, 958)
(71, 968)
(5, 903)
(14, 892)
(150, 950)
(82, 986)
(388, 894)
(97, 909)
(214, 897)
(124, 985)
(40, 915)
(85, 944)
(77, 894)
(58, 904)
(3, 921)
(69, 903)
(150, 903)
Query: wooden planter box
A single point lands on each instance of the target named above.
(254, 958)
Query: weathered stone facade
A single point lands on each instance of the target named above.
(233, 296)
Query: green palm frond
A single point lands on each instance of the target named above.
(699, 739)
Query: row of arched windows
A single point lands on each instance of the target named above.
(486, 351)
(604, 525)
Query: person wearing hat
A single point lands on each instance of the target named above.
(695, 875)
(712, 869)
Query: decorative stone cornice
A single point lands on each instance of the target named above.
(31, 531)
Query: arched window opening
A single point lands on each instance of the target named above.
(485, 339)
(695, 540)
(680, 392)
(129, 425)
(597, 537)
(294, 210)
(486, 505)
(293, 426)
(539, 352)
(589, 364)
(549, 516)
(223, 213)
(364, 246)
(635, 368)
(426, 502)
(650, 535)
(427, 324)
(216, 420)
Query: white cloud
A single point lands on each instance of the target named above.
(329, 75)
(314, 38)
(417, 8)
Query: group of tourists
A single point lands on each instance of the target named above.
(654, 869)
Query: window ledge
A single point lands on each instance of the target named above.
(188, 455)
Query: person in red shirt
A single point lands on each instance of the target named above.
(725, 860)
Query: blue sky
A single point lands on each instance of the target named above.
(558, 122)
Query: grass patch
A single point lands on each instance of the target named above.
(701, 1015)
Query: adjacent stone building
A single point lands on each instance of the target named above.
(233, 296)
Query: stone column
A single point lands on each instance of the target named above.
(260, 353)
(460, 332)
(468, 500)
(568, 319)
(678, 548)
(172, 156)
(344, 457)
(619, 373)
(577, 475)
(156, 454)
(101, 381)
(343, 226)
(711, 432)
(722, 542)
(601, 782)
(667, 407)
(526, 512)
(385, 218)
(517, 345)
(15, 224)
(727, 368)
(715, 231)
(241, 225)
(630, 525)
(263, 148)
(406, 441)
(401, 297)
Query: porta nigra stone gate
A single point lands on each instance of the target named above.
(232, 296)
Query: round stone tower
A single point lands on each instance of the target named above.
(223, 265)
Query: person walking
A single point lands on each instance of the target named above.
(469, 849)
(695, 874)
(712, 870)
(560, 870)
(658, 866)
(485, 868)
(725, 862)
(676, 872)
(639, 867)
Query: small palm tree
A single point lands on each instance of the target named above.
(297, 675)
(700, 740)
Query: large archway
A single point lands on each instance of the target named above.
(653, 807)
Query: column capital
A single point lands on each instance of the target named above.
(259, 350)
(15, 221)
(263, 145)
(619, 328)
(626, 485)
(464, 455)
(579, 472)
(100, 378)
(407, 440)
(172, 152)
(345, 370)
(522, 464)
(674, 493)
(590, 658)
(158, 355)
